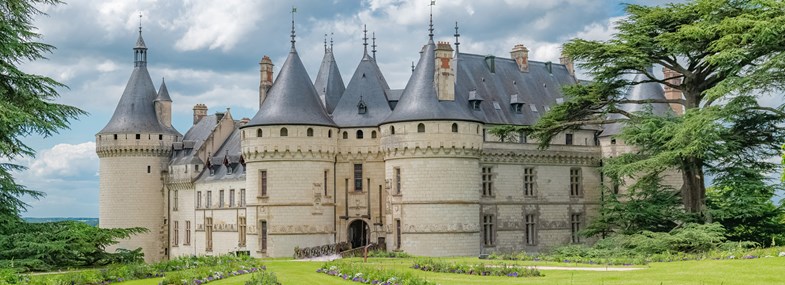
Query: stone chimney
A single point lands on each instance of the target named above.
(200, 111)
(265, 78)
(445, 72)
(567, 62)
(673, 93)
(520, 54)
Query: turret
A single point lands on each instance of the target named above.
(265, 78)
(163, 105)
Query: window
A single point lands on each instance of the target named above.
(138, 136)
(517, 108)
(176, 234)
(160, 137)
(221, 199)
(209, 199)
(148, 169)
(488, 237)
(208, 231)
(263, 235)
(575, 182)
(284, 132)
(359, 134)
(309, 132)
(263, 183)
(575, 222)
(242, 197)
(196, 168)
(613, 141)
(241, 230)
(325, 182)
(345, 135)
(454, 127)
(531, 230)
(115, 136)
(420, 128)
(329, 133)
(187, 233)
(259, 133)
(198, 199)
(522, 137)
(397, 171)
(528, 181)
(231, 198)
(358, 177)
(568, 139)
(487, 181)
(373, 134)
(392, 130)
(475, 104)
(175, 200)
(397, 233)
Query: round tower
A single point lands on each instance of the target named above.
(432, 145)
(289, 148)
(134, 149)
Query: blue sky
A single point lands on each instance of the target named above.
(208, 51)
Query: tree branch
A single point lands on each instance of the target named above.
(652, 101)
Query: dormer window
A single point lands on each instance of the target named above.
(361, 107)
(474, 100)
(516, 104)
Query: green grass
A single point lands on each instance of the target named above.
(706, 272)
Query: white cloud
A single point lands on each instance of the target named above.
(216, 24)
(65, 161)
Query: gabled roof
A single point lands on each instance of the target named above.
(643, 91)
(292, 100)
(367, 85)
(329, 84)
(419, 101)
(135, 112)
(227, 157)
(193, 140)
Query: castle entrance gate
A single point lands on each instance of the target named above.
(358, 233)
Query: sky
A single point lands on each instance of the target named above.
(208, 52)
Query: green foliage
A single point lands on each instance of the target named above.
(481, 269)
(263, 278)
(368, 274)
(507, 133)
(389, 254)
(47, 246)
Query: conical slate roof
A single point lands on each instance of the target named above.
(163, 92)
(329, 83)
(367, 85)
(292, 100)
(135, 113)
(643, 91)
(419, 101)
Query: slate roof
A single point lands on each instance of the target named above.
(329, 84)
(539, 88)
(367, 85)
(163, 92)
(419, 101)
(185, 151)
(644, 91)
(292, 99)
(135, 112)
(227, 157)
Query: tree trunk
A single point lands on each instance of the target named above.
(693, 191)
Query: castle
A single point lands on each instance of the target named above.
(322, 162)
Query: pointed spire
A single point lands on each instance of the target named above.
(430, 25)
(365, 39)
(163, 92)
(294, 10)
(373, 46)
(457, 35)
(140, 50)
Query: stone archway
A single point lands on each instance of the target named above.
(358, 233)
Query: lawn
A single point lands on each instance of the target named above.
(725, 272)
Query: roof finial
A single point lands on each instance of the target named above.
(365, 39)
(412, 66)
(457, 35)
(430, 25)
(140, 24)
(294, 10)
(325, 43)
(331, 41)
(373, 46)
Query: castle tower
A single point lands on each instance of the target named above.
(134, 149)
(435, 143)
(329, 84)
(163, 105)
(289, 149)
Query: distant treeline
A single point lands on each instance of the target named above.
(89, 221)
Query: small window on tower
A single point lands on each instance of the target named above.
(392, 130)
(115, 136)
(160, 137)
(359, 134)
(259, 133)
(138, 136)
(309, 132)
(329, 133)
(373, 134)
(284, 132)
(148, 169)
(420, 128)
(454, 127)
(345, 135)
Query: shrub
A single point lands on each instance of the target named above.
(388, 254)
(475, 269)
(263, 278)
(369, 274)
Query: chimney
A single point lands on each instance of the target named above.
(200, 111)
(445, 72)
(244, 121)
(673, 77)
(265, 78)
(520, 54)
(567, 62)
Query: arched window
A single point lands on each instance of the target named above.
(478, 129)
(373, 134)
(284, 132)
(420, 128)
(329, 133)
(454, 127)
(309, 132)
(359, 134)
(392, 130)
(345, 135)
(259, 133)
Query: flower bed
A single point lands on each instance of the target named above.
(480, 269)
(370, 275)
(263, 277)
(206, 274)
